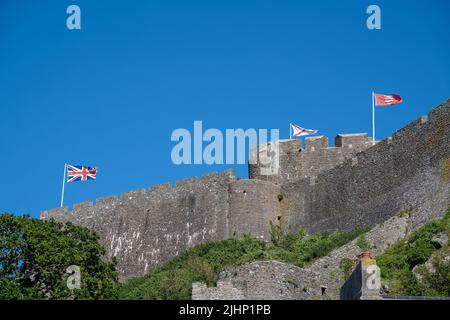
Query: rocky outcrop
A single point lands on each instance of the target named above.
(423, 271)
(321, 279)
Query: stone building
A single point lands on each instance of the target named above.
(349, 185)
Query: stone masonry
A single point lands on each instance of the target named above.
(144, 229)
(260, 280)
(321, 188)
(409, 171)
(321, 279)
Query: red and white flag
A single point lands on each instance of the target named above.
(387, 99)
(382, 100)
(298, 131)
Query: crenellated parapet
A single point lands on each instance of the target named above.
(58, 214)
(106, 201)
(407, 172)
(316, 143)
(320, 187)
(316, 157)
(144, 228)
(187, 184)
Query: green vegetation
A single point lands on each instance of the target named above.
(299, 249)
(398, 261)
(174, 279)
(35, 254)
(439, 281)
(202, 263)
(363, 243)
(346, 266)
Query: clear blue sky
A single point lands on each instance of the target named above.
(110, 94)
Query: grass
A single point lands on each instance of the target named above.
(174, 279)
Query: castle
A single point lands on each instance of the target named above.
(322, 188)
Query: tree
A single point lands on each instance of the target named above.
(35, 254)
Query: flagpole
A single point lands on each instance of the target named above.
(63, 184)
(373, 118)
(290, 131)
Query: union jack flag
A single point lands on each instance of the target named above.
(80, 173)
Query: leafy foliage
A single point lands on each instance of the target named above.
(202, 263)
(398, 261)
(346, 266)
(439, 281)
(34, 256)
(299, 249)
(363, 243)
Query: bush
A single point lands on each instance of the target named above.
(174, 279)
(346, 266)
(362, 242)
(299, 249)
(202, 263)
(439, 281)
(398, 261)
(34, 256)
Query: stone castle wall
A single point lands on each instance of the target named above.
(297, 163)
(260, 280)
(348, 186)
(407, 172)
(145, 229)
(321, 279)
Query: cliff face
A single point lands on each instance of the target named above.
(349, 186)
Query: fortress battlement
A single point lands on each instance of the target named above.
(320, 187)
(187, 184)
(395, 175)
(317, 156)
(171, 218)
(348, 140)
